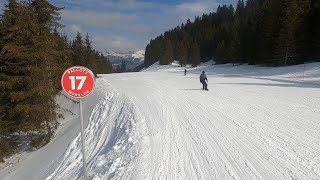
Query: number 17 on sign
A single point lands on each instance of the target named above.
(78, 82)
(73, 81)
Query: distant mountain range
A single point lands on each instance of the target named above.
(132, 60)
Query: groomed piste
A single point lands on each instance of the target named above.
(254, 123)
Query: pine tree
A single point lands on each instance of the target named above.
(195, 54)
(251, 32)
(88, 56)
(294, 12)
(167, 53)
(77, 48)
(266, 28)
(50, 62)
(25, 71)
(236, 29)
(240, 9)
(221, 51)
(312, 32)
(14, 72)
(234, 47)
(182, 54)
(147, 56)
(62, 59)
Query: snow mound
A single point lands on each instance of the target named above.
(112, 142)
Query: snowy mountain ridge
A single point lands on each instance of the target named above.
(136, 56)
(132, 59)
(139, 55)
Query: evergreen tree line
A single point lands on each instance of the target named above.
(33, 56)
(266, 32)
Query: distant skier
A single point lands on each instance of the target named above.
(185, 72)
(203, 79)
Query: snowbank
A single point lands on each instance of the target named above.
(112, 142)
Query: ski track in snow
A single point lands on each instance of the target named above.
(266, 131)
(254, 123)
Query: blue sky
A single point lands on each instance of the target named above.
(128, 25)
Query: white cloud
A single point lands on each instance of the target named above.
(73, 28)
(198, 7)
(96, 19)
(114, 44)
(190, 10)
(108, 4)
(109, 21)
(133, 4)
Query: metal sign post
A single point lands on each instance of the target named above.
(83, 141)
(78, 82)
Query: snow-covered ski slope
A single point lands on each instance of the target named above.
(254, 123)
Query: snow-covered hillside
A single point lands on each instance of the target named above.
(254, 123)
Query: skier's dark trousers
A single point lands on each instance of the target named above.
(203, 79)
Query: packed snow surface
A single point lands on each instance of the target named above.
(253, 123)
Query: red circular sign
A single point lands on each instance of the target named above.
(78, 82)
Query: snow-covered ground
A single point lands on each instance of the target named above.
(254, 123)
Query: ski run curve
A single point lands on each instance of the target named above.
(253, 123)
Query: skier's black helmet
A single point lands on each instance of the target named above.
(203, 72)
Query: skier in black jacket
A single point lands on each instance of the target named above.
(203, 79)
